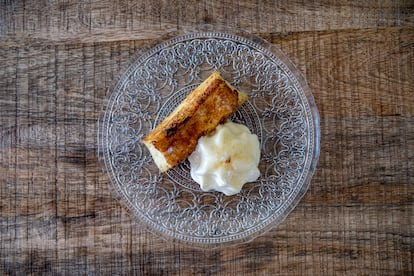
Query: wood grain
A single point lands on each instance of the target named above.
(58, 214)
(103, 20)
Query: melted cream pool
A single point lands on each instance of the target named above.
(226, 159)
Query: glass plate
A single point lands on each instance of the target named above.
(280, 110)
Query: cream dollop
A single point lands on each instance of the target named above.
(226, 159)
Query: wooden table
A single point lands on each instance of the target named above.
(59, 214)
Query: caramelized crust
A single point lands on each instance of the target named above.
(205, 107)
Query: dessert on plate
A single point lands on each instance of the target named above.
(198, 115)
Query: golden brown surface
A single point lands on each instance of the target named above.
(211, 103)
(58, 214)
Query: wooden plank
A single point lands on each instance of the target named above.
(107, 20)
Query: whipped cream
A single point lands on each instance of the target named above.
(226, 159)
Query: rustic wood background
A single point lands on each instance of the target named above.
(58, 212)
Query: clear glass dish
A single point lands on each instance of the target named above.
(280, 110)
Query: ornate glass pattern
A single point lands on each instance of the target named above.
(280, 111)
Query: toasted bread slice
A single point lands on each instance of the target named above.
(210, 104)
